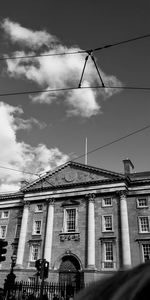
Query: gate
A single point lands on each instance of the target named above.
(70, 275)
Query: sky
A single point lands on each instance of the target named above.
(40, 131)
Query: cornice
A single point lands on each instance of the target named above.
(75, 185)
(11, 195)
(73, 164)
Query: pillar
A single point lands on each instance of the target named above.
(91, 232)
(22, 238)
(49, 231)
(126, 253)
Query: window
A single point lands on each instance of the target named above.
(39, 208)
(70, 220)
(108, 255)
(35, 252)
(107, 201)
(37, 227)
(5, 214)
(144, 224)
(146, 251)
(18, 228)
(107, 223)
(142, 202)
(3, 229)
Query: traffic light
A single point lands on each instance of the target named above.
(38, 265)
(42, 266)
(3, 250)
(46, 269)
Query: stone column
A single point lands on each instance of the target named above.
(91, 232)
(49, 231)
(126, 253)
(22, 238)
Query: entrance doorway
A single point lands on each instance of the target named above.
(70, 274)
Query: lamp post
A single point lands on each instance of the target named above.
(10, 281)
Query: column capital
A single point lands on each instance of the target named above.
(50, 201)
(90, 197)
(122, 194)
(26, 204)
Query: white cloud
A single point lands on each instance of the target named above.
(54, 72)
(20, 155)
(83, 102)
(27, 37)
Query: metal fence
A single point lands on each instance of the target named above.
(51, 291)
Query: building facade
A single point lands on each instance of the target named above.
(85, 221)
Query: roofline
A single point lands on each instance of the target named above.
(58, 168)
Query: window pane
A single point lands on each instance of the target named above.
(107, 201)
(3, 231)
(18, 230)
(109, 251)
(71, 220)
(142, 202)
(35, 252)
(146, 251)
(144, 224)
(5, 214)
(39, 207)
(108, 262)
(108, 223)
(37, 229)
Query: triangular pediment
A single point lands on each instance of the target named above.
(72, 173)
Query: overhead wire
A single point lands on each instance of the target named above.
(79, 87)
(79, 51)
(89, 52)
(88, 152)
(113, 142)
(143, 88)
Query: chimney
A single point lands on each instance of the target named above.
(127, 166)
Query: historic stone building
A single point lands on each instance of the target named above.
(85, 221)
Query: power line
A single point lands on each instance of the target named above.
(146, 88)
(25, 172)
(114, 141)
(122, 42)
(78, 51)
(16, 170)
(89, 152)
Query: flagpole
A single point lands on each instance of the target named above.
(86, 151)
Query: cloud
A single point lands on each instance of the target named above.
(26, 37)
(57, 72)
(28, 123)
(83, 102)
(20, 155)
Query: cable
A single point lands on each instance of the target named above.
(113, 142)
(89, 152)
(75, 88)
(79, 51)
(16, 170)
(122, 42)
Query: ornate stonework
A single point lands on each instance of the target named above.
(69, 237)
(70, 176)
